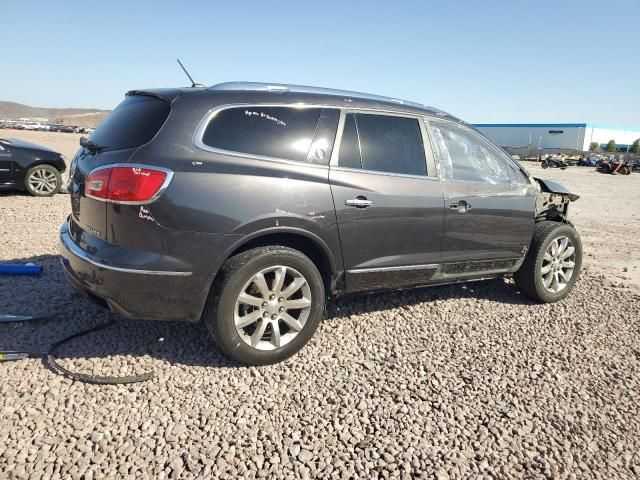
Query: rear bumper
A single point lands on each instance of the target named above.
(131, 290)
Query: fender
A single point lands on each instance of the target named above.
(555, 187)
(271, 230)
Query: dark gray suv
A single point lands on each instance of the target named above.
(247, 205)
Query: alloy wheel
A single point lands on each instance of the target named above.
(558, 264)
(272, 307)
(42, 181)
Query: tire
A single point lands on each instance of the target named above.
(529, 278)
(43, 180)
(544, 164)
(237, 276)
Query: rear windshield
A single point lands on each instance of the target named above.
(133, 123)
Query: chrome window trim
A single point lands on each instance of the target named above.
(426, 266)
(204, 123)
(163, 187)
(75, 250)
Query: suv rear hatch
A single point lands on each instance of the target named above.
(133, 123)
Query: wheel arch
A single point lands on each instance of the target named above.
(45, 161)
(302, 240)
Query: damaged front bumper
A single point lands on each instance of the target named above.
(552, 200)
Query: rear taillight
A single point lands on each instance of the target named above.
(134, 184)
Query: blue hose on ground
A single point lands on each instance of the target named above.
(17, 269)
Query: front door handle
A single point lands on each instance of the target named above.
(462, 206)
(359, 202)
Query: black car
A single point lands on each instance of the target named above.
(62, 128)
(247, 205)
(30, 167)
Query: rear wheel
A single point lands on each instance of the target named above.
(552, 264)
(265, 305)
(43, 180)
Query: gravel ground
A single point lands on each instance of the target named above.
(467, 381)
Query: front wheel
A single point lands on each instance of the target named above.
(43, 180)
(552, 264)
(544, 164)
(265, 304)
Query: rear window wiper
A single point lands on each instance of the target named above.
(89, 145)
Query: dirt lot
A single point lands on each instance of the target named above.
(466, 381)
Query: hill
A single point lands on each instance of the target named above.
(88, 117)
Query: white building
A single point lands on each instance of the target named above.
(574, 136)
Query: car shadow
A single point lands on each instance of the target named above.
(13, 193)
(176, 342)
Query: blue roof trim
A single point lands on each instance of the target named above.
(556, 125)
(613, 127)
(543, 125)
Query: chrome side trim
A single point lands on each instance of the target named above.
(163, 187)
(68, 243)
(387, 174)
(429, 266)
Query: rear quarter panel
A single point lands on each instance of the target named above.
(226, 198)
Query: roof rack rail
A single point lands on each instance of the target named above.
(281, 87)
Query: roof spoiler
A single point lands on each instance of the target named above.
(166, 94)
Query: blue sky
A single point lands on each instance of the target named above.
(485, 61)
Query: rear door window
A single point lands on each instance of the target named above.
(275, 132)
(383, 143)
(134, 122)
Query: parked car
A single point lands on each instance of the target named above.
(62, 128)
(32, 126)
(588, 161)
(246, 205)
(30, 167)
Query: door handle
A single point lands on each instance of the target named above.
(462, 206)
(358, 202)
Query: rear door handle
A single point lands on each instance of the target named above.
(359, 202)
(462, 206)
